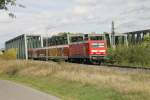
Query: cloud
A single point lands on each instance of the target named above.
(75, 16)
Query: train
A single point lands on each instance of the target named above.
(84, 48)
(72, 47)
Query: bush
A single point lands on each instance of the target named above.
(10, 54)
(134, 55)
(1, 53)
(147, 41)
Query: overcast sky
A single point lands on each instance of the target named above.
(74, 16)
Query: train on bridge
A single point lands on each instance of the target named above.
(71, 47)
(86, 48)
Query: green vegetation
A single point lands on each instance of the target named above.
(147, 41)
(9, 54)
(68, 90)
(1, 53)
(4, 6)
(133, 55)
(77, 82)
(4, 3)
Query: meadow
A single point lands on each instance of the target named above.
(78, 82)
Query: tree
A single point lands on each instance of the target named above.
(4, 6)
(4, 3)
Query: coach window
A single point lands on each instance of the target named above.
(77, 39)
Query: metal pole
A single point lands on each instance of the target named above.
(113, 34)
(41, 41)
(26, 47)
(68, 39)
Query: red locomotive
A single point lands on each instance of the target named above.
(86, 48)
(91, 49)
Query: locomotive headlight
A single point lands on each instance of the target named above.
(94, 51)
(102, 44)
(102, 50)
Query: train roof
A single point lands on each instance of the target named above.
(15, 38)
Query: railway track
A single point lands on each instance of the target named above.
(129, 67)
(120, 67)
(104, 65)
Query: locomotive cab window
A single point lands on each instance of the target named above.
(97, 38)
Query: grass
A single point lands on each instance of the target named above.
(67, 90)
(76, 82)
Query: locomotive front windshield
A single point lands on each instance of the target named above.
(97, 38)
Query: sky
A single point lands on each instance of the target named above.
(51, 16)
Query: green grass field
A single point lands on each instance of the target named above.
(75, 82)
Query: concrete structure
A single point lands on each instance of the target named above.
(137, 36)
(24, 42)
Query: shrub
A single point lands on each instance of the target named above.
(135, 55)
(147, 38)
(1, 53)
(10, 54)
(147, 41)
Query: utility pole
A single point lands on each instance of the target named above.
(113, 34)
